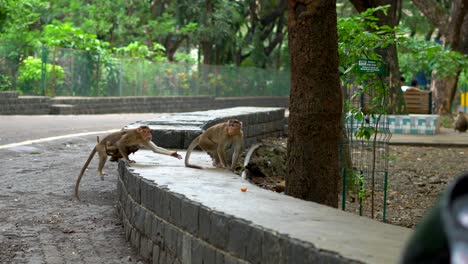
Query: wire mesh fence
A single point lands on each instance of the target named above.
(68, 72)
(364, 162)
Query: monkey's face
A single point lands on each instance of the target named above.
(234, 127)
(145, 133)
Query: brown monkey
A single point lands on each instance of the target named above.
(215, 140)
(119, 145)
(461, 124)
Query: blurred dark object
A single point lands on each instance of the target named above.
(442, 235)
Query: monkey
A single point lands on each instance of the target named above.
(119, 145)
(215, 140)
(461, 124)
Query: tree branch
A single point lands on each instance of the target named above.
(436, 14)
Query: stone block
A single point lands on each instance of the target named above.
(238, 235)
(189, 216)
(175, 208)
(186, 250)
(140, 214)
(301, 252)
(147, 194)
(208, 254)
(127, 229)
(146, 248)
(168, 138)
(135, 238)
(204, 222)
(157, 231)
(165, 206)
(219, 257)
(129, 209)
(219, 229)
(148, 225)
(197, 251)
(156, 254)
(253, 244)
(171, 239)
(271, 248)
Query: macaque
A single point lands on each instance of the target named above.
(119, 145)
(461, 124)
(215, 140)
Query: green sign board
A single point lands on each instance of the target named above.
(369, 66)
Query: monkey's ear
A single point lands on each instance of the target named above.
(139, 130)
(241, 124)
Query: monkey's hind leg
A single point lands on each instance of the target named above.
(102, 161)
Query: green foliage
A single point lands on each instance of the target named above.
(135, 50)
(65, 35)
(358, 38)
(420, 55)
(18, 26)
(185, 58)
(31, 75)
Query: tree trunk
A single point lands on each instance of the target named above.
(315, 102)
(396, 101)
(443, 90)
(453, 28)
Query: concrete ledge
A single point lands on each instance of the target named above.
(179, 129)
(174, 214)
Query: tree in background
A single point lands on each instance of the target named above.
(315, 102)
(451, 19)
(20, 24)
(390, 18)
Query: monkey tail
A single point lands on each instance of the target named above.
(189, 151)
(77, 185)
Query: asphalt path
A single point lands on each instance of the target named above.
(40, 221)
(20, 128)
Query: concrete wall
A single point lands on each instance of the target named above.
(11, 103)
(167, 227)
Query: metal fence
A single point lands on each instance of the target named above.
(67, 72)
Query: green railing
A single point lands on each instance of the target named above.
(67, 72)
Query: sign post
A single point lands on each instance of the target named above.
(370, 66)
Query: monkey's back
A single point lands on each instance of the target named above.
(461, 123)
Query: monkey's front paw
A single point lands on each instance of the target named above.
(176, 155)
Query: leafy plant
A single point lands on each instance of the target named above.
(31, 75)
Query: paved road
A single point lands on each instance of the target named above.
(40, 222)
(21, 128)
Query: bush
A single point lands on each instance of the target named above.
(30, 77)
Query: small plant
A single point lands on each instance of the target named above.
(30, 77)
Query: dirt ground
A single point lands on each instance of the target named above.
(417, 175)
(40, 222)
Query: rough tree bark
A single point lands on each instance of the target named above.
(453, 28)
(315, 102)
(396, 101)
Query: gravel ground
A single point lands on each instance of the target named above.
(417, 176)
(40, 222)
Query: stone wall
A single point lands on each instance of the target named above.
(168, 227)
(11, 103)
